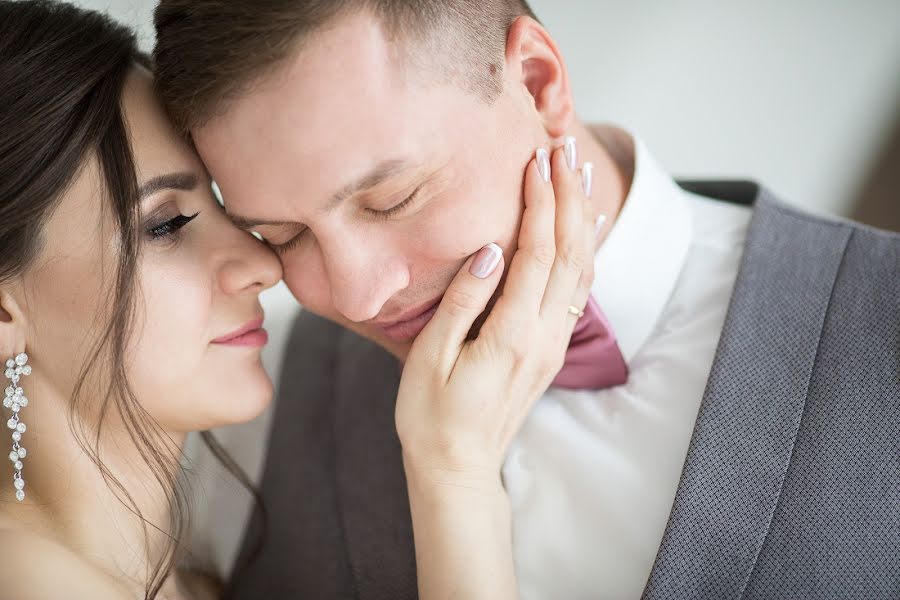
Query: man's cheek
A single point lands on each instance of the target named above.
(497, 220)
(307, 280)
(458, 233)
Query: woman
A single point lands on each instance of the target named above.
(136, 303)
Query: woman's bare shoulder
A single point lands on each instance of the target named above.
(42, 569)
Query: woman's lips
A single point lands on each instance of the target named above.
(404, 331)
(254, 339)
(250, 335)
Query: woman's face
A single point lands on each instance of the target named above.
(198, 281)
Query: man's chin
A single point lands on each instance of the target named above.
(400, 349)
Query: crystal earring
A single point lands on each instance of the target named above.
(15, 400)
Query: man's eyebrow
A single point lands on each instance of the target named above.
(170, 181)
(381, 173)
(247, 223)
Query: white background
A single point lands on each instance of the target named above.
(799, 94)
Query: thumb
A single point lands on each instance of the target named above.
(467, 297)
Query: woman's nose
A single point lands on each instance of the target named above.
(249, 266)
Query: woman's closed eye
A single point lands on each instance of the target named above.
(170, 228)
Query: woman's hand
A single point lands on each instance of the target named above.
(461, 402)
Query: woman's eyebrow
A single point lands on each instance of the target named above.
(170, 181)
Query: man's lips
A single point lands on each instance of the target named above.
(410, 324)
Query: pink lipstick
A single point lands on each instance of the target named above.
(250, 335)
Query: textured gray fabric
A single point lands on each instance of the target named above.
(836, 529)
(370, 478)
(338, 515)
(304, 553)
(790, 487)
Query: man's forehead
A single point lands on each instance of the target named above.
(330, 118)
(298, 165)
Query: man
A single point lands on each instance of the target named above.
(753, 450)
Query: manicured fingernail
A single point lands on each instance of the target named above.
(571, 153)
(543, 163)
(587, 178)
(486, 261)
(601, 221)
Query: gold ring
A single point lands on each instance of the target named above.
(574, 310)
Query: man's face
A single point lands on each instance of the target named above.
(377, 180)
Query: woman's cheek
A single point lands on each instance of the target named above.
(172, 330)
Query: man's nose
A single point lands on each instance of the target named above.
(364, 273)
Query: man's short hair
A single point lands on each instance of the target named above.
(210, 51)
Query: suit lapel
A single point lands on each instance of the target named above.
(751, 410)
(370, 480)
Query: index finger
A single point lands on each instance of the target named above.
(442, 340)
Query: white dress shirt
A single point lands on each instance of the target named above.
(592, 475)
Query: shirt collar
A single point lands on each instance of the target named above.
(638, 264)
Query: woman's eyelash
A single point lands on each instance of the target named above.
(171, 226)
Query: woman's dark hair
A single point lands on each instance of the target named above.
(62, 73)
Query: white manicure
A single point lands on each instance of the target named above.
(543, 163)
(587, 178)
(601, 220)
(484, 266)
(571, 153)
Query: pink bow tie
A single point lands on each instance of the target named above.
(593, 360)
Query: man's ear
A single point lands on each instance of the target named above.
(534, 61)
(12, 326)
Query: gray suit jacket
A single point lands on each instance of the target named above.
(790, 489)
